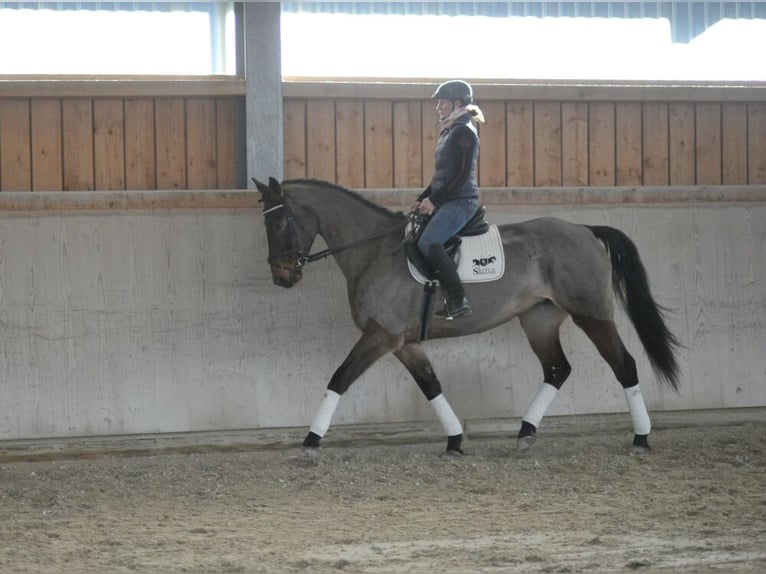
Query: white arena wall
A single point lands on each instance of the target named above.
(137, 312)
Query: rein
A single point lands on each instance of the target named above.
(304, 258)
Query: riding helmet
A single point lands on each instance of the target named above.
(454, 90)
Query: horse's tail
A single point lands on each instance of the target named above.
(631, 286)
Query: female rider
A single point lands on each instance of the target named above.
(451, 199)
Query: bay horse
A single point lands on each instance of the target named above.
(553, 269)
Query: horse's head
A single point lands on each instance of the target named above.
(288, 239)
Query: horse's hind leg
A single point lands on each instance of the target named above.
(604, 335)
(374, 343)
(417, 363)
(541, 325)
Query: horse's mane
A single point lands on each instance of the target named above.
(347, 192)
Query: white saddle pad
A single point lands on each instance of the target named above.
(481, 259)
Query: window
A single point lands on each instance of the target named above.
(112, 38)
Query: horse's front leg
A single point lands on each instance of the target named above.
(417, 363)
(374, 343)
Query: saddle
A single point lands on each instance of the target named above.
(477, 225)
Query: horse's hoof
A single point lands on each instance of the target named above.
(454, 445)
(640, 444)
(312, 440)
(525, 442)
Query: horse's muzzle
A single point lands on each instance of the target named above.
(284, 276)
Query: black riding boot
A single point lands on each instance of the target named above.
(456, 305)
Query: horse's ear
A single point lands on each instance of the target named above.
(275, 188)
(272, 191)
(260, 186)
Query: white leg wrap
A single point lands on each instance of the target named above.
(446, 415)
(540, 404)
(324, 414)
(641, 423)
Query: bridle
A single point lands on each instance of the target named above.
(301, 257)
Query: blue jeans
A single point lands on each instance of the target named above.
(446, 222)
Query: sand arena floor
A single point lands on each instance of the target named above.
(382, 500)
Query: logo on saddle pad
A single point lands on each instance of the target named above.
(480, 258)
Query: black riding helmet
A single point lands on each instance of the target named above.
(454, 90)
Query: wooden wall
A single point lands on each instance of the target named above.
(95, 135)
(184, 134)
(535, 136)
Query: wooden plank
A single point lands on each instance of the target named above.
(140, 157)
(109, 139)
(547, 144)
(320, 140)
(628, 140)
(521, 150)
(601, 143)
(707, 143)
(538, 90)
(655, 144)
(734, 144)
(430, 134)
(378, 144)
(123, 86)
(492, 169)
(681, 162)
(756, 143)
(574, 143)
(294, 115)
(201, 154)
(47, 161)
(77, 122)
(408, 153)
(15, 145)
(226, 142)
(349, 130)
(170, 141)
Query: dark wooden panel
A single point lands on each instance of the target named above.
(170, 138)
(655, 144)
(521, 151)
(140, 157)
(547, 144)
(378, 148)
(408, 154)
(707, 149)
(77, 122)
(15, 145)
(350, 143)
(734, 143)
(629, 152)
(294, 113)
(601, 143)
(756, 143)
(320, 139)
(201, 153)
(226, 142)
(430, 135)
(574, 143)
(492, 168)
(47, 166)
(681, 161)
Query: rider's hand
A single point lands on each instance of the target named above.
(426, 206)
(414, 206)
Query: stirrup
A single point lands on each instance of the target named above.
(453, 312)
